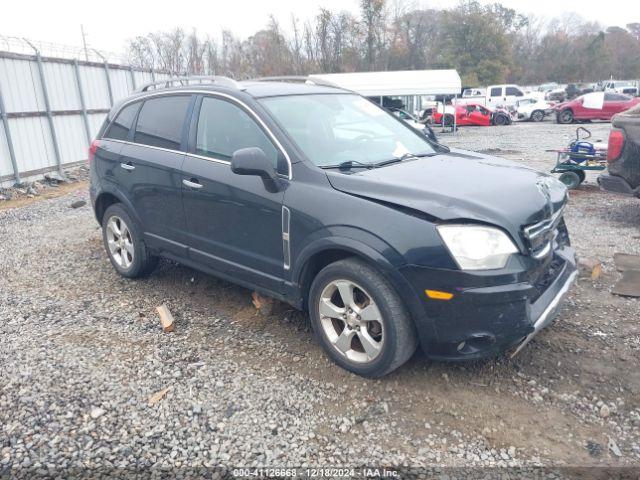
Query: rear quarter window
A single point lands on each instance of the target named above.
(119, 128)
(496, 91)
(161, 121)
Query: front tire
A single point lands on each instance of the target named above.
(360, 320)
(566, 116)
(537, 115)
(500, 120)
(122, 237)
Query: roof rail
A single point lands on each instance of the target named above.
(297, 78)
(282, 78)
(195, 80)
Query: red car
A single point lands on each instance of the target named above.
(594, 106)
(472, 114)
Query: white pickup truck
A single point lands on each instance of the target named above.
(621, 86)
(493, 96)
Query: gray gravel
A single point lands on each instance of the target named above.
(83, 351)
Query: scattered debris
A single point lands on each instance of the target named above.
(628, 285)
(264, 305)
(97, 412)
(614, 448)
(594, 448)
(591, 267)
(156, 397)
(166, 319)
(605, 411)
(78, 204)
(625, 262)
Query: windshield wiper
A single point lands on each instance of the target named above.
(402, 158)
(350, 164)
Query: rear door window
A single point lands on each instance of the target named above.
(224, 128)
(161, 121)
(119, 128)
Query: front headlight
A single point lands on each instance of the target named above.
(476, 247)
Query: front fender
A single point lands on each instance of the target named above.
(371, 249)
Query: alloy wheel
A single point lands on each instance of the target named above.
(120, 242)
(351, 321)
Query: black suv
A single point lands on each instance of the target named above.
(321, 198)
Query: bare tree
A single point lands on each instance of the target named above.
(486, 43)
(373, 22)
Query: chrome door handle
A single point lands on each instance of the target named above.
(126, 166)
(191, 184)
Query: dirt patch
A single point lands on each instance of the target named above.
(51, 192)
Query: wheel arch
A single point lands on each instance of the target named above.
(328, 250)
(108, 197)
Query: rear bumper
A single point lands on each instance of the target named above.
(485, 321)
(615, 184)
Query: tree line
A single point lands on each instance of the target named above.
(485, 43)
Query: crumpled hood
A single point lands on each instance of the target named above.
(460, 185)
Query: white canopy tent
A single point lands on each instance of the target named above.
(404, 83)
(400, 83)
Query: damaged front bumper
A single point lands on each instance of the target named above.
(502, 310)
(551, 310)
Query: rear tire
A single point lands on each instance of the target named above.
(448, 120)
(122, 238)
(360, 320)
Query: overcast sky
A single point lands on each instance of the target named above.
(109, 24)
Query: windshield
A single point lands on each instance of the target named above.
(335, 128)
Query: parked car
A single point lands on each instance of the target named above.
(621, 86)
(533, 109)
(494, 96)
(557, 95)
(413, 122)
(623, 155)
(472, 114)
(547, 87)
(321, 198)
(572, 91)
(594, 106)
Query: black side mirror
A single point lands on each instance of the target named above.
(253, 161)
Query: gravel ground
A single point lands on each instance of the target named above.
(83, 351)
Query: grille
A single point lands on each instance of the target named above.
(540, 236)
(547, 277)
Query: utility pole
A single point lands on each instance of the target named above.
(84, 43)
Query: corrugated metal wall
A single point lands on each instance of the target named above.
(41, 145)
